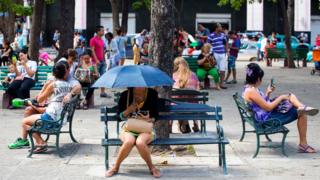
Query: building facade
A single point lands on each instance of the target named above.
(189, 13)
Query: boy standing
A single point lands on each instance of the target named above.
(233, 54)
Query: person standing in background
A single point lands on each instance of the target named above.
(219, 48)
(97, 47)
(233, 54)
(122, 43)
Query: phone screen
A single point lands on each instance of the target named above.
(272, 82)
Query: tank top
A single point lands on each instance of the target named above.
(259, 113)
(61, 89)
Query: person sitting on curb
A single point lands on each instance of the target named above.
(58, 89)
(286, 108)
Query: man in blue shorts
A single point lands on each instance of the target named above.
(233, 54)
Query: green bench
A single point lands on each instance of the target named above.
(183, 95)
(170, 110)
(272, 126)
(41, 76)
(280, 53)
(49, 127)
(192, 62)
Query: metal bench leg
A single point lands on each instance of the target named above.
(32, 144)
(267, 137)
(283, 143)
(107, 157)
(47, 138)
(57, 146)
(71, 134)
(258, 146)
(243, 131)
(224, 162)
(220, 155)
(201, 126)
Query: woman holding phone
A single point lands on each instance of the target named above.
(286, 108)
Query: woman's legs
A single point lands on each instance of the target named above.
(128, 142)
(302, 128)
(27, 123)
(142, 145)
(201, 73)
(295, 101)
(24, 90)
(215, 74)
(14, 88)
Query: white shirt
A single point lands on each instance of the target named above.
(1, 38)
(139, 40)
(31, 65)
(263, 44)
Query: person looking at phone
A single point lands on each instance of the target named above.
(286, 108)
(142, 103)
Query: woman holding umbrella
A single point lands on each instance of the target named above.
(137, 103)
(142, 102)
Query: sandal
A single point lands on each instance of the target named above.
(40, 149)
(155, 172)
(306, 149)
(308, 110)
(112, 172)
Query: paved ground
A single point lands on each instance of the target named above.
(85, 159)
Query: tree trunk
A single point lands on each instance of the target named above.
(7, 26)
(115, 15)
(162, 29)
(35, 30)
(125, 13)
(287, 17)
(67, 11)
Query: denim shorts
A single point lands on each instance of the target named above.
(231, 62)
(285, 118)
(102, 67)
(46, 116)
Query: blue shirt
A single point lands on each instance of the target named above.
(218, 41)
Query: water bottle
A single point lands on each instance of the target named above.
(18, 103)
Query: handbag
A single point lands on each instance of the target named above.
(137, 125)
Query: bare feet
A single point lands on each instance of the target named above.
(155, 172)
(112, 172)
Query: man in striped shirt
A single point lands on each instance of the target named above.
(219, 47)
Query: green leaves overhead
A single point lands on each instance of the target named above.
(237, 4)
(17, 8)
(137, 4)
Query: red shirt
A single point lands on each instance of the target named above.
(318, 41)
(98, 45)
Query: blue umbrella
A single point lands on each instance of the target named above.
(133, 76)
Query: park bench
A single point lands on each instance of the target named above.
(54, 127)
(171, 110)
(183, 95)
(272, 126)
(41, 76)
(193, 65)
(280, 53)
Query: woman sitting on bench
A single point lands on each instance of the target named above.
(58, 89)
(286, 108)
(136, 101)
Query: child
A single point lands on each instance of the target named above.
(233, 54)
(10, 76)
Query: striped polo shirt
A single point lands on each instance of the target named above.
(217, 41)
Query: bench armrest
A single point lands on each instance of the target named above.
(46, 125)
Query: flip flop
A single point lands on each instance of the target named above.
(306, 149)
(41, 149)
(308, 110)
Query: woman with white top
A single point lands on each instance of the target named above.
(20, 88)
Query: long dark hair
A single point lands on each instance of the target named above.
(254, 73)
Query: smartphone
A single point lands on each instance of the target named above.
(272, 82)
(145, 113)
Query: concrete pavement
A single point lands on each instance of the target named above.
(85, 160)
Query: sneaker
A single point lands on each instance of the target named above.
(19, 143)
(232, 82)
(105, 95)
